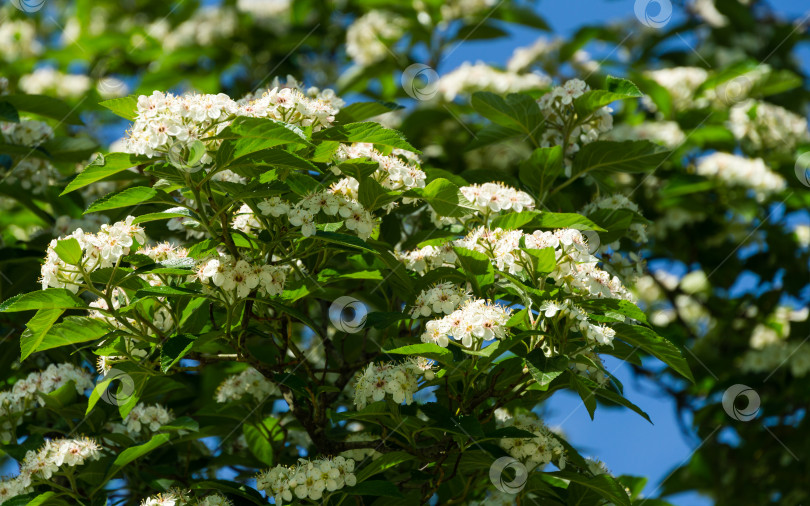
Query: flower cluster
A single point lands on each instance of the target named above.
(441, 298)
(236, 279)
(47, 80)
(476, 321)
(764, 126)
(772, 356)
(27, 132)
(428, 258)
(588, 364)
(469, 78)
(667, 133)
(682, 84)
(739, 171)
(43, 463)
(578, 318)
(100, 250)
(182, 498)
(205, 26)
(24, 392)
(462, 9)
(398, 171)
(636, 231)
(143, 417)
(576, 268)
(368, 37)
(534, 452)
(399, 380)
(355, 217)
(497, 197)
(248, 382)
(164, 118)
(564, 127)
(307, 480)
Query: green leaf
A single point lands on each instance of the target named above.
(135, 452)
(627, 156)
(358, 168)
(364, 110)
(69, 251)
(387, 461)
(45, 106)
(373, 196)
(428, 350)
(544, 369)
(37, 327)
(8, 113)
(655, 345)
(102, 167)
(125, 107)
(347, 240)
(618, 89)
(274, 157)
(125, 198)
(585, 393)
(477, 267)
(232, 488)
(544, 260)
(613, 397)
(542, 167)
(257, 440)
(72, 330)
(174, 349)
(373, 133)
(605, 485)
(566, 220)
(174, 212)
(446, 199)
(375, 488)
(52, 298)
(513, 221)
(249, 135)
(622, 307)
(517, 111)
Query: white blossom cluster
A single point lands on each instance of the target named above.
(682, 84)
(361, 454)
(578, 319)
(47, 80)
(205, 26)
(476, 321)
(326, 95)
(144, 417)
(497, 197)
(428, 258)
(310, 479)
(398, 171)
(43, 463)
(103, 249)
(27, 132)
(557, 107)
(18, 39)
(272, 12)
(523, 57)
(441, 298)
(590, 371)
(65, 225)
(458, 9)
(764, 126)
(469, 78)
(248, 382)
(235, 279)
(33, 172)
(23, 395)
(576, 269)
(533, 452)
(356, 218)
(183, 498)
(369, 36)
(667, 133)
(636, 231)
(164, 118)
(772, 356)
(739, 171)
(399, 380)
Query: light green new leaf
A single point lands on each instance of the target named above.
(37, 328)
(446, 199)
(102, 167)
(72, 330)
(125, 198)
(52, 298)
(69, 251)
(370, 132)
(126, 107)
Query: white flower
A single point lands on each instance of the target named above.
(474, 322)
(248, 382)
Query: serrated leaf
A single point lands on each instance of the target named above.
(627, 156)
(125, 198)
(174, 349)
(69, 251)
(477, 267)
(545, 369)
(36, 329)
(543, 166)
(655, 345)
(125, 107)
(102, 167)
(446, 199)
(360, 111)
(427, 350)
(370, 132)
(72, 330)
(516, 111)
(52, 298)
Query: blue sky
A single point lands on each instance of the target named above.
(627, 443)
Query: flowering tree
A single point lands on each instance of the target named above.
(295, 300)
